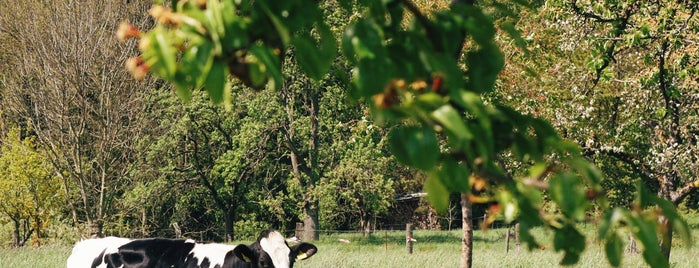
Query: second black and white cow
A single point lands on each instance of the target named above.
(270, 250)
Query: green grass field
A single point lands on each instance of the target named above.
(387, 249)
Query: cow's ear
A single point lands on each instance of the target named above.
(303, 251)
(244, 253)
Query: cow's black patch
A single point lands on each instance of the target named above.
(155, 252)
(97, 261)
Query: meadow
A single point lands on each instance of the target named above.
(388, 249)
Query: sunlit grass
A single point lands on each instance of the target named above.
(432, 249)
(44, 256)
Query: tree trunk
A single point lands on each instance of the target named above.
(666, 239)
(73, 210)
(517, 236)
(632, 248)
(310, 222)
(95, 228)
(15, 234)
(230, 219)
(38, 223)
(507, 239)
(467, 232)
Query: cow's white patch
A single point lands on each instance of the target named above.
(276, 248)
(85, 251)
(216, 253)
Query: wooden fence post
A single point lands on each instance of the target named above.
(409, 238)
(299, 230)
(178, 231)
(508, 234)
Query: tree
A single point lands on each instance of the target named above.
(626, 94)
(411, 75)
(29, 192)
(300, 101)
(212, 153)
(80, 105)
(358, 188)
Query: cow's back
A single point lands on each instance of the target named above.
(90, 252)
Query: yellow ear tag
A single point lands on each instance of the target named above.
(301, 256)
(247, 259)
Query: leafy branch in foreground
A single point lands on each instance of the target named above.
(428, 76)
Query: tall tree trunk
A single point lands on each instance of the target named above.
(306, 171)
(311, 208)
(310, 222)
(467, 232)
(230, 219)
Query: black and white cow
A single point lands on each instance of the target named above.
(270, 250)
(90, 252)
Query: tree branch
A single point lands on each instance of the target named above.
(671, 103)
(679, 195)
(589, 15)
(629, 159)
(621, 22)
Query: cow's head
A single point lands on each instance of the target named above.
(273, 251)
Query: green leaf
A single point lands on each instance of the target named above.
(415, 146)
(644, 231)
(526, 236)
(195, 62)
(614, 248)
(476, 23)
(568, 192)
(484, 65)
(474, 104)
(313, 58)
(271, 61)
(679, 225)
(430, 100)
(437, 194)
(164, 54)
(216, 81)
(571, 241)
(509, 205)
(454, 175)
(372, 76)
(453, 124)
(182, 90)
(609, 221)
(279, 25)
(363, 40)
(510, 28)
(444, 65)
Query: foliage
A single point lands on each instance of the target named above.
(412, 75)
(29, 193)
(210, 154)
(614, 77)
(80, 107)
(358, 189)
